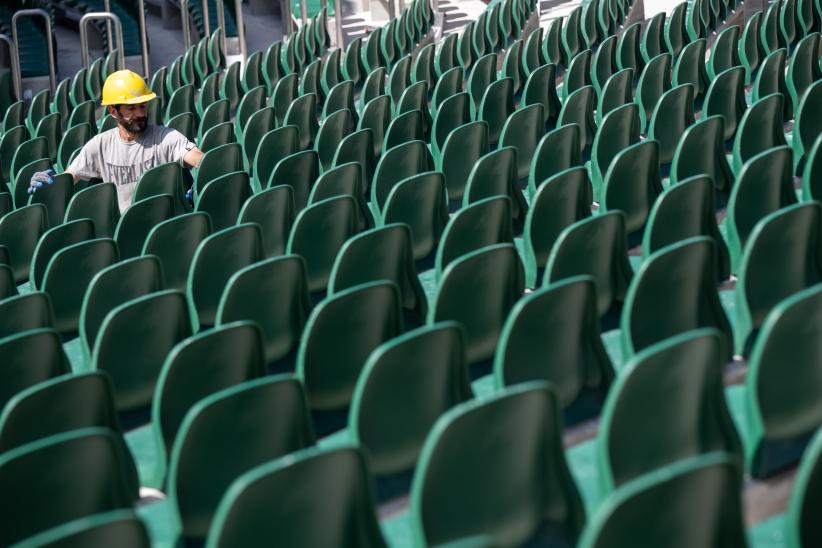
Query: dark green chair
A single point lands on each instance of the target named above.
(216, 163)
(553, 335)
(749, 49)
(163, 179)
(397, 164)
(216, 259)
(617, 91)
(453, 112)
(223, 198)
(685, 210)
(319, 232)
(117, 527)
(632, 183)
(23, 312)
(358, 147)
(333, 130)
(29, 358)
(449, 83)
(233, 426)
(333, 507)
(383, 253)
(578, 109)
(705, 488)
(463, 147)
(197, 367)
(559, 201)
(654, 82)
(557, 151)
(256, 127)
(603, 63)
(275, 145)
(133, 341)
(701, 150)
(344, 180)
(595, 246)
(522, 131)
(780, 259)
(251, 290)
(776, 429)
(627, 52)
(807, 125)
(174, 242)
(651, 43)
(496, 105)
(480, 224)
(761, 128)
(436, 354)
(482, 474)
(724, 52)
(812, 175)
(250, 102)
(690, 68)
(136, 222)
(303, 113)
(495, 174)
(54, 406)
(803, 68)
(655, 311)
(618, 130)
(482, 74)
(219, 135)
(726, 98)
(675, 33)
(770, 78)
(496, 273)
(577, 76)
(51, 242)
(299, 171)
(540, 88)
(113, 286)
(764, 185)
(72, 267)
(97, 202)
(89, 473)
(421, 202)
(341, 96)
(340, 334)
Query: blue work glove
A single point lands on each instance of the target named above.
(190, 195)
(39, 179)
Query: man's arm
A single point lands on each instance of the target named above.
(193, 157)
(73, 175)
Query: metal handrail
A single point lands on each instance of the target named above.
(303, 11)
(106, 16)
(239, 20)
(187, 24)
(15, 69)
(339, 20)
(288, 18)
(50, 43)
(143, 37)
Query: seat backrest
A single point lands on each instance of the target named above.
(223, 198)
(218, 162)
(578, 109)
(138, 220)
(30, 357)
(701, 151)
(61, 404)
(334, 506)
(235, 428)
(672, 115)
(413, 379)
(495, 469)
(800, 527)
(704, 489)
(163, 179)
(396, 164)
(20, 230)
(557, 151)
(99, 203)
(483, 223)
(339, 335)
(71, 268)
(382, 253)
(595, 246)
(248, 295)
(273, 210)
(463, 147)
(217, 258)
(495, 174)
(780, 258)
(133, 341)
(113, 286)
(89, 472)
(23, 312)
(52, 241)
(783, 359)
(760, 129)
(764, 185)
(496, 273)
(121, 528)
(174, 242)
(807, 127)
(553, 335)
(632, 183)
(653, 83)
(421, 203)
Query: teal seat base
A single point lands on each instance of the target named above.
(612, 340)
(143, 446)
(160, 524)
(585, 471)
(768, 534)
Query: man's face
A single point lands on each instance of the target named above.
(131, 117)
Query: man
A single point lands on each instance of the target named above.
(122, 154)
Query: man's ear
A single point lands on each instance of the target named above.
(112, 110)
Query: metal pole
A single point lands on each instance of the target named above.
(221, 24)
(143, 37)
(338, 20)
(50, 43)
(102, 15)
(186, 24)
(392, 10)
(107, 7)
(303, 11)
(206, 19)
(15, 68)
(288, 18)
(238, 11)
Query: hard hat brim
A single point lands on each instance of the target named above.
(132, 100)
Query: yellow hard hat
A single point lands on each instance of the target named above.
(125, 87)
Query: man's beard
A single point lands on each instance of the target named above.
(137, 125)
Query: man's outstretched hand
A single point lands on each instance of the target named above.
(39, 179)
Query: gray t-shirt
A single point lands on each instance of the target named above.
(110, 158)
